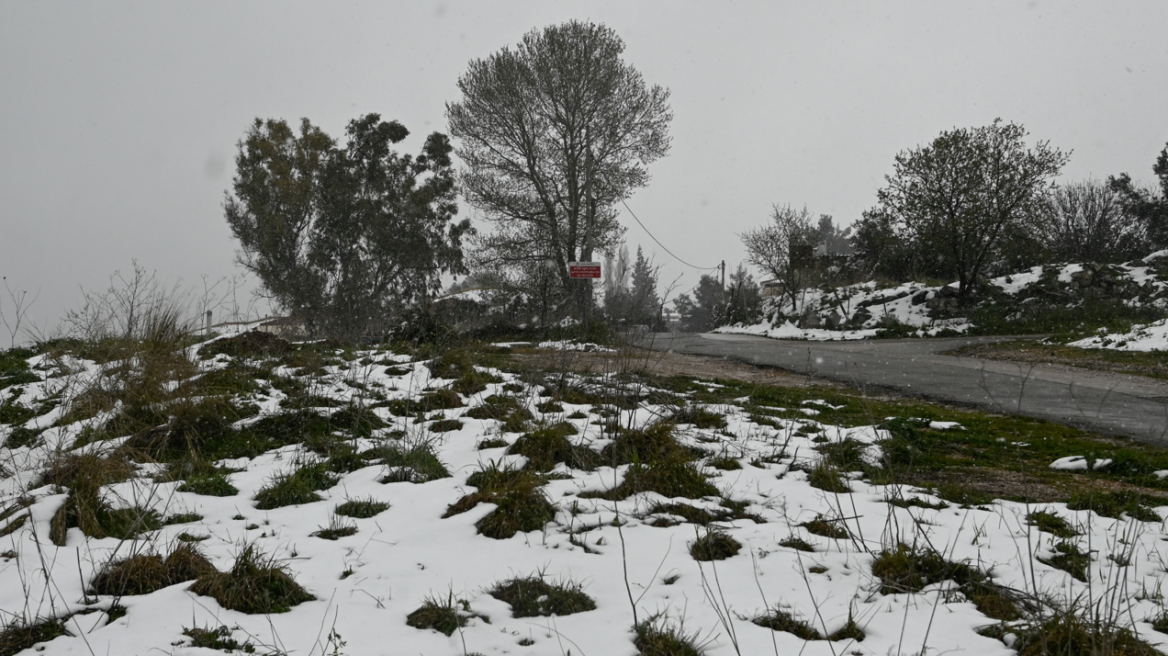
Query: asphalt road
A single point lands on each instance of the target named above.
(1113, 404)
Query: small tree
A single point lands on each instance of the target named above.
(344, 237)
(955, 197)
(1147, 205)
(1086, 222)
(784, 250)
(743, 301)
(706, 310)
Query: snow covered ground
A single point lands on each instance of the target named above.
(632, 562)
(859, 311)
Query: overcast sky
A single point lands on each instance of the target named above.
(118, 121)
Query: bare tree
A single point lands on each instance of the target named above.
(783, 249)
(554, 134)
(1085, 222)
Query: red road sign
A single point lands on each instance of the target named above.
(583, 269)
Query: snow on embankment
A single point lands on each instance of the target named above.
(914, 308)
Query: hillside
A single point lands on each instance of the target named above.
(250, 495)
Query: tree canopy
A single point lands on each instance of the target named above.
(345, 236)
(954, 198)
(1147, 205)
(554, 133)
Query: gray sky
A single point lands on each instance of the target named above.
(120, 119)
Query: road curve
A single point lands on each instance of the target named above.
(1113, 404)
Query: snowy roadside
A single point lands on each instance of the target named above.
(804, 551)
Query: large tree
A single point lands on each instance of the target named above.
(955, 197)
(554, 133)
(344, 237)
(1147, 205)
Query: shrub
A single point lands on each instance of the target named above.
(296, 487)
(532, 596)
(254, 586)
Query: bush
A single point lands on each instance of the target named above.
(254, 586)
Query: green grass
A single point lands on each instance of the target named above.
(669, 478)
(18, 635)
(1049, 522)
(361, 508)
(909, 569)
(1115, 504)
(296, 487)
(521, 504)
(547, 446)
(337, 528)
(534, 596)
(415, 463)
(212, 485)
(1070, 559)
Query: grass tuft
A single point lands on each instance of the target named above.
(254, 585)
(361, 508)
(446, 617)
(533, 596)
(146, 573)
(296, 487)
(18, 635)
(655, 637)
(416, 463)
(1049, 522)
(714, 545)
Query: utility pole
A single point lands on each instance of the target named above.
(723, 267)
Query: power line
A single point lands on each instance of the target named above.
(693, 266)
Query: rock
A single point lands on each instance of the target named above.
(810, 319)
(920, 297)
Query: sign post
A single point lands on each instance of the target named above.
(584, 269)
(585, 272)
